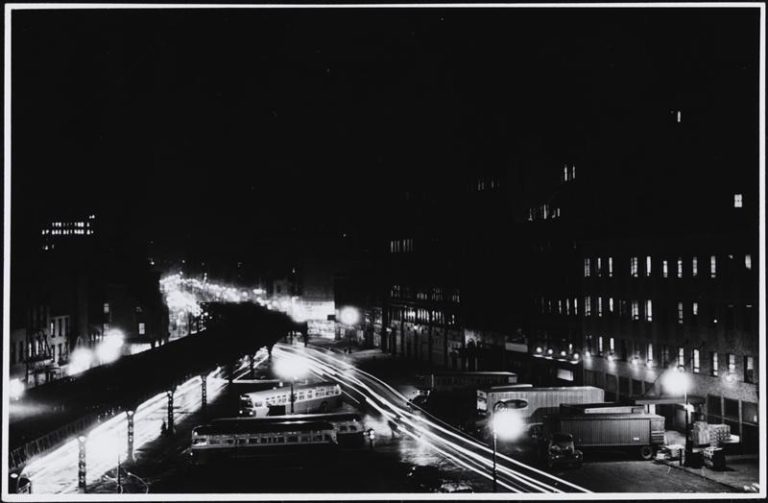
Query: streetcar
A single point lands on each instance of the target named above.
(254, 437)
(457, 380)
(313, 397)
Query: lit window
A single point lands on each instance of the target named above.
(633, 267)
(587, 268)
(696, 362)
(587, 306)
(649, 355)
(680, 313)
(599, 306)
(695, 309)
(681, 356)
(714, 369)
(568, 306)
(749, 369)
(141, 328)
(748, 261)
(575, 305)
(610, 267)
(649, 310)
(599, 267)
(679, 267)
(565, 173)
(610, 344)
(635, 310)
(713, 266)
(694, 267)
(648, 266)
(731, 362)
(610, 304)
(738, 201)
(600, 344)
(573, 172)
(679, 116)
(106, 308)
(665, 268)
(559, 306)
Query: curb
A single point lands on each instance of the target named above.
(674, 464)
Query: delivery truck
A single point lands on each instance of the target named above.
(637, 431)
(535, 404)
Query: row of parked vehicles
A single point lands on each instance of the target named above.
(560, 423)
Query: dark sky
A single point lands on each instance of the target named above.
(235, 124)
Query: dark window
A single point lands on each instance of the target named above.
(637, 387)
(729, 318)
(714, 407)
(731, 409)
(749, 412)
(293, 439)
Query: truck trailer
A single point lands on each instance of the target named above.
(640, 432)
(535, 404)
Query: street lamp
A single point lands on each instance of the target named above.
(291, 368)
(15, 388)
(507, 423)
(677, 382)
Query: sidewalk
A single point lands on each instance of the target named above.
(742, 472)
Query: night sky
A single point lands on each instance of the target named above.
(224, 126)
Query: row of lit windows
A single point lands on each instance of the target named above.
(690, 361)
(543, 212)
(569, 172)
(601, 266)
(487, 184)
(607, 305)
(396, 291)
(420, 315)
(401, 246)
(69, 232)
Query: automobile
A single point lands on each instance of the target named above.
(455, 487)
(432, 479)
(559, 450)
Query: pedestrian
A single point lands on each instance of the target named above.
(163, 428)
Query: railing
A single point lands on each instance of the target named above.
(19, 456)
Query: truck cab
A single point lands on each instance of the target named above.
(559, 449)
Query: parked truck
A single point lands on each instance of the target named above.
(535, 404)
(593, 428)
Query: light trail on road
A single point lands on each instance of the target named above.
(465, 451)
(56, 471)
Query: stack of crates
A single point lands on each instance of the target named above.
(701, 435)
(714, 457)
(719, 433)
(675, 451)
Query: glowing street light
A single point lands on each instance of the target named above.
(111, 347)
(507, 423)
(291, 368)
(79, 361)
(16, 388)
(678, 382)
(349, 316)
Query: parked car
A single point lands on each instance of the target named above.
(560, 450)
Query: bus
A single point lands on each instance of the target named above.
(456, 381)
(240, 437)
(251, 437)
(315, 397)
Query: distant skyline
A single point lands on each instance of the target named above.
(223, 127)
